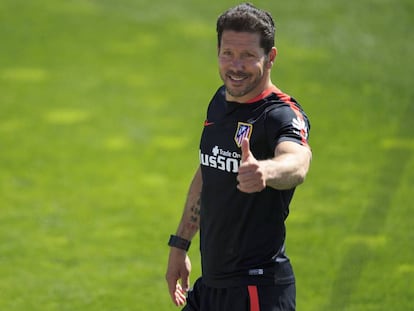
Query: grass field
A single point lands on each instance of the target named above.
(101, 106)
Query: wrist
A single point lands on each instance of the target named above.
(178, 242)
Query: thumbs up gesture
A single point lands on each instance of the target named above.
(251, 176)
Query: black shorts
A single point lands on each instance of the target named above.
(249, 298)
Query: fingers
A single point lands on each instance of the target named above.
(177, 293)
(178, 276)
(178, 285)
(251, 187)
(251, 176)
(172, 287)
(179, 296)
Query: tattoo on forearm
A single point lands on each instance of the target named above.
(195, 215)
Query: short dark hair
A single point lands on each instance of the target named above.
(246, 17)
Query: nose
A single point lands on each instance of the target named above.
(237, 63)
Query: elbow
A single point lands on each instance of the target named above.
(298, 178)
(289, 182)
(302, 172)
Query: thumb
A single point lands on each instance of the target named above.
(245, 150)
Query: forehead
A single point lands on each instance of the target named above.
(240, 40)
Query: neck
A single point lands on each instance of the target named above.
(253, 96)
(266, 92)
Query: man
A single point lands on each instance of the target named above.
(253, 153)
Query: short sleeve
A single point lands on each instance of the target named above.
(285, 122)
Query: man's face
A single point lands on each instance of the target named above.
(243, 65)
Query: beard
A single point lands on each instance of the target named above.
(240, 88)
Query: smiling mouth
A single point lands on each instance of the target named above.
(237, 78)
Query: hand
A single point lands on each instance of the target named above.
(178, 275)
(251, 176)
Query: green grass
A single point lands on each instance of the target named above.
(101, 106)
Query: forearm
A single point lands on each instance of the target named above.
(289, 166)
(286, 171)
(179, 265)
(190, 220)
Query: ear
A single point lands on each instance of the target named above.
(272, 56)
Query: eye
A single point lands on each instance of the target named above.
(226, 55)
(248, 55)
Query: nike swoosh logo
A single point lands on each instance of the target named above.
(206, 123)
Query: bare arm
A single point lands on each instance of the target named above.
(287, 169)
(190, 221)
(179, 264)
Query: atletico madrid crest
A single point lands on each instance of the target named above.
(244, 130)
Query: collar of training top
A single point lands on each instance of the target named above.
(264, 94)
